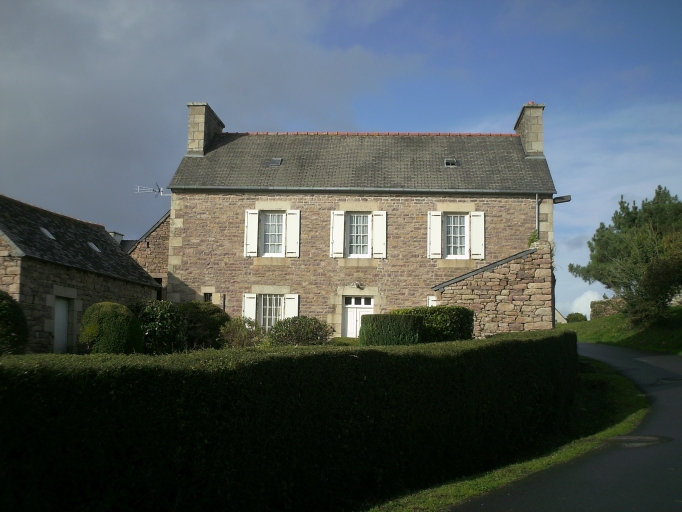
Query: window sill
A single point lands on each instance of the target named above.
(456, 263)
(358, 262)
(269, 261)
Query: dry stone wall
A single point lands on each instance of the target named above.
(514, 296)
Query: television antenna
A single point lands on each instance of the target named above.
(158, 191)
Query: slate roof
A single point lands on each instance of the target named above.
(20, 225)
(388, 163)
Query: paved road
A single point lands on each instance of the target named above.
(618, 478)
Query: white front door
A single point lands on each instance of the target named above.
(354, 308)
(61, 325)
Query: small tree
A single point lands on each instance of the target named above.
(204, 321)
(575, 317)
(13, 326)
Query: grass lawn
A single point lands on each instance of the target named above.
(662, 336)
(607, 404)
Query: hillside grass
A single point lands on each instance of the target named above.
(664, 335)
(606, 405)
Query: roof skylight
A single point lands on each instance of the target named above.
(94, 247)
(275, 162)
(47, 233)
(451, 162)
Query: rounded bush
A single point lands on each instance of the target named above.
(300, 330)
(576, 317)
(110, 328)
(13, 326)
(164, 327)
(241, 332)
(204, 321)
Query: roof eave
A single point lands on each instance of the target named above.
(357, 189)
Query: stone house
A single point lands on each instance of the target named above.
(151, 252)
(56, 267)
(338, 225)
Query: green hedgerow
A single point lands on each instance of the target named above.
(300, 330)
(443, 323)
(110, 328)
(164, 327)
(204, 321)
(13, 326)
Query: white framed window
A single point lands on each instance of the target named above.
(272, 233)
(357, 234)
(456, 235)
(268, 308)
(431, 300)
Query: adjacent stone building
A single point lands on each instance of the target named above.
(338, 225)
(151, 252)
(56, 267)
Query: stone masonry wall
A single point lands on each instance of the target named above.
(42, 281)
(10, 270)
(152, 253)
(206, 251)
(515, 296)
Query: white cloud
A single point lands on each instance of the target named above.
(582, 303)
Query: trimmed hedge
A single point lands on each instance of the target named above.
(110, 328)
(13, 326)
(443, 323)
(381, 330)
(308, 428)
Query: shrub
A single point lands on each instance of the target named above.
(204, 321)
(164, 327)
(576, 317)
(650, 299)
(443, 323)
(110, 328)
(13, 326)
(241, 332)
(300, 330)
(391, 330)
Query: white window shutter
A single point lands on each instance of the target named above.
(477, 235)
(379, 234)
(249, 306)
(336, 234)
(290, 305)
(251, 233)
(435, 234)
(293, 233)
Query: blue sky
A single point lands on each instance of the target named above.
(93, 94)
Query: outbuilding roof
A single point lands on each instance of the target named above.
(370, 162)
(48, 236)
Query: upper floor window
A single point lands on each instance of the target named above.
(272, 233)
(357, 235)
(456, 235)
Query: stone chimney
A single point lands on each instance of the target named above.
(117, 236)
(204, 125)
(529, 127)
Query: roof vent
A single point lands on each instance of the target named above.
(47, 234)
(275, 162)
(94, 247)
(451, 162)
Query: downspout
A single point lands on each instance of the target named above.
(537, 216)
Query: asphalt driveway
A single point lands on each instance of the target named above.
(643, 473)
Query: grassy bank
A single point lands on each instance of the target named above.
(607, 404)
(662, 336)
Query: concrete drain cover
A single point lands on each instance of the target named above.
(640, 441)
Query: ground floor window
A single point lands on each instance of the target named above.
(269, 309)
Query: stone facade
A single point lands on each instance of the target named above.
(514, 296)
(10, 271)
(151, 253)
(206, 250)
(41, 282)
